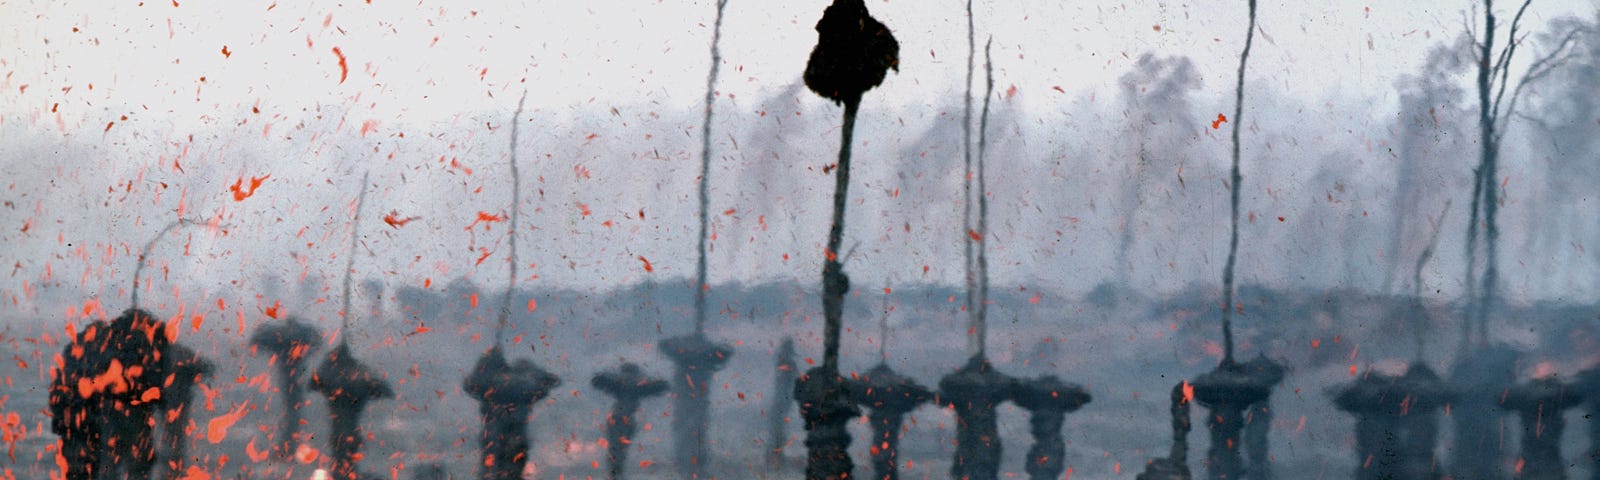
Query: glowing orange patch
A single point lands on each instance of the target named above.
(217, 428)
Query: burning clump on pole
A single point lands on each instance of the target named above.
(854, 53)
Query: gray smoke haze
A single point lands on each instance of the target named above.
(1433, 132)
(1161, 123)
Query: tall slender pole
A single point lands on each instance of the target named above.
(834, 282)
(970, 267)
(883, 326)
(516, 204)
(350, 260)
(701, 284)
(983, 205)
(1237, 180)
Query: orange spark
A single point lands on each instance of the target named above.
(1215, 124)
(394, 220)
(647, 266)
(344, 68)
(240, 193)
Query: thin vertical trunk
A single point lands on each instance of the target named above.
(700, 284)
(966, 182)
(834, 282)
(982, 326)
(1237, 180)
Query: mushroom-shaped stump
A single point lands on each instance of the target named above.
(1176, 465)
(1479, 377)
(348, 386)
(136, 347)
(696, 360)
(629, 385)
(974, 391)
(890, 396)
(506, 393)
(826, 406)
(1542, 403)
(75, 415)
(288, 345)
(186, 369)
(1258, 418)
(1419, 420)
(1048, 401)
(1371, 398)
(1227, 391)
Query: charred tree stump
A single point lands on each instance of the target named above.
(289, 345)
(506, 393)
(136, 348)
(826, 406)
(1480, 376)
(1541, 404)
(1419, 420)
(1048, 401)
(975, 391)
(629, 386)
(1397, 423)
(75, 414)
(187, 369)
(1227, 391)
(1176, 465)
(1372, 399)
(782, 401)
(890, 396)
(1258, 419)
(696, 359)
(348, 385)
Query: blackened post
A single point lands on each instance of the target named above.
(187, 369)
(289, 343)
(696, 360)
(1048, 401)
(629, 386)
(975, 391)
(890, 396)
(1542, 405)
(506, 393)
(348, 385)
(1176, 465)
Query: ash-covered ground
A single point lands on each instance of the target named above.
(1125, 349)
